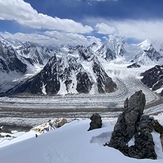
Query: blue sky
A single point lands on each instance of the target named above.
(57, 22)
(111, 9)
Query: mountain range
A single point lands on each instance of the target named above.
(26, 67)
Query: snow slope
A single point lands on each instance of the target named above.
(71, 143)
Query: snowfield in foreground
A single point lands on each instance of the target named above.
(71, 143)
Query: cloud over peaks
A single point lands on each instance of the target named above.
(24, 14)
(137, 29)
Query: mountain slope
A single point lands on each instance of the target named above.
(71, 143)
(78, 72)
(11, 68)
(9, 60)
(78, 69)
(34, 53)
(153, 78)
(112, 48)
(19, 60)
(149, 55)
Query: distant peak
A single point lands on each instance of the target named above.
(146, 44)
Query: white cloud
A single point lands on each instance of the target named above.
(71, 38)
(53, 38)
(36, 38)
(24, 14)
(137, 29)
(103, 28)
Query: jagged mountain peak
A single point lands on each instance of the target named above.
(146, 44)
(112, 48)
(149, 55)
(65, 74)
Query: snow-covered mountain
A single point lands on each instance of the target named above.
(74, 69)
(34, 53)
(30, 53)
(9, 60)
(153, 78)
(112, 48)
(18, 59)
(149, 55)
(145, 53)
(70, 71)
(11, 67)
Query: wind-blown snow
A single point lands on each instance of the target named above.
(71, 143)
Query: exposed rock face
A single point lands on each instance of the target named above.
(60, 122)
(162, 93)
(84, 84)
(104, 83)
(134, 65)
(153, 77)
(144, 145)
(46, 81)
(96, 121)
(131, 124)
(158, 128)
(125, 127)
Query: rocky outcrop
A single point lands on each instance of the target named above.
(96, 122)
(144, 145)
(133, 124)
(59, 122)
(158, 128)
(125, 127)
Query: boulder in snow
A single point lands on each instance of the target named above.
(96, 122)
